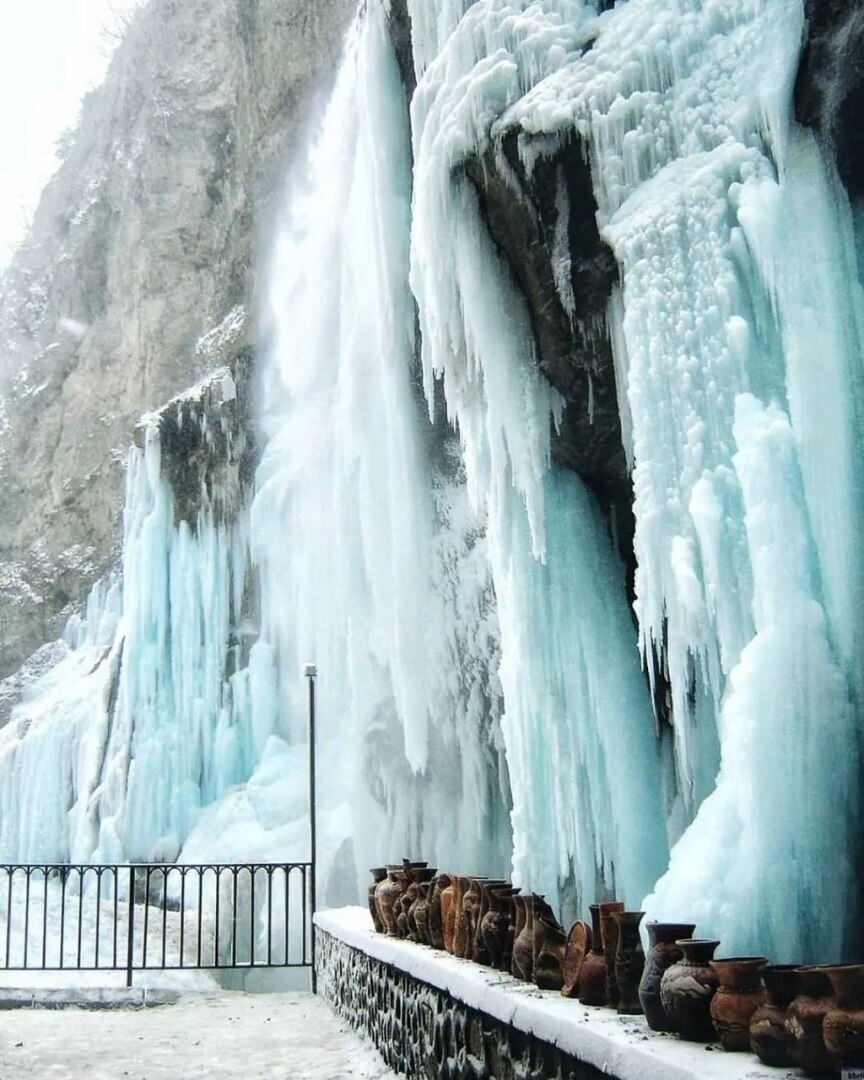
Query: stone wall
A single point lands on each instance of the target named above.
(422, 1031)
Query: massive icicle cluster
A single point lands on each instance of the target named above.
(486, 696)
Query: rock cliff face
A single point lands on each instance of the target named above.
(139, 274)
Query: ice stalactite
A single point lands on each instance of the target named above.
(579, 742)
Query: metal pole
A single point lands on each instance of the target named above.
(311, 672)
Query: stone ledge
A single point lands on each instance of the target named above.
(614, 1045)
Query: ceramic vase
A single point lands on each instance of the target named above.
(663, 952)
(460, 926)
(379, 873)
(805, 1018)
(577, 948)
(387, 895)
(609, 930)
(629, 961)
(770, 1039)
(739, 994)
(523, 945)
(686, 990)
(448, 912)
(495, 926)
(592, 978)
(550, 943)
(843, 1026)
(436, 910)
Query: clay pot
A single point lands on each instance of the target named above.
(496, 926)
(436, 910)
(550, 943)
(387, 896)
(629, 961)
(662, 954)
(609, 930)
(522, 965)
(577, 948)
(448, 912)
(843, 1026)
(592, 978)
(420, 913)
(739, 995)
(479, 951)
(686, 990)
(805, 1018)
(770, 1039)
(406, 902)
(460, 926)
(379, 873)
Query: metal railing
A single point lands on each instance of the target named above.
(160, 917)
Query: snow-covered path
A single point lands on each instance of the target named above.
(289, 1036)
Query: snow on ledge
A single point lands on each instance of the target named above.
(621, 1046)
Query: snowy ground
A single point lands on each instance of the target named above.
(289, 1036)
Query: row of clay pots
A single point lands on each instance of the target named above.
(811, 1017)
(480, 919)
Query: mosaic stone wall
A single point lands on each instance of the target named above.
(422, 1032)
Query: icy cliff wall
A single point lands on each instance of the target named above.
(558, 485)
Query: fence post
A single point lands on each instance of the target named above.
(130, 936)
(310, 672)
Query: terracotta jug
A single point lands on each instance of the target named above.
(523, 945)
(629, 961)
(843, 1026)
(662, 954)
(460, 927)
(496, 926)
(609, 930)
(686, 990)
(436, 910)
(420, 913)
(387, 896)
(379, 873)
(592, 979)
(448, 912)
(479, 951)
(739, 994)
(406, 902)
(770, 1038)
(550, 943)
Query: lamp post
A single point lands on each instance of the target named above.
(311, 672)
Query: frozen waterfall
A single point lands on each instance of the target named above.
(495, 693)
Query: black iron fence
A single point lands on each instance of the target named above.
(163, 916)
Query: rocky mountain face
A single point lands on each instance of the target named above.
(139, 273)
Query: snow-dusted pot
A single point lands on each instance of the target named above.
(843, 1027)
(738, 996)
(379, 873)
(609, 930)
(629, 961)
(592, 978)
(686, 990)
(663, 952)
